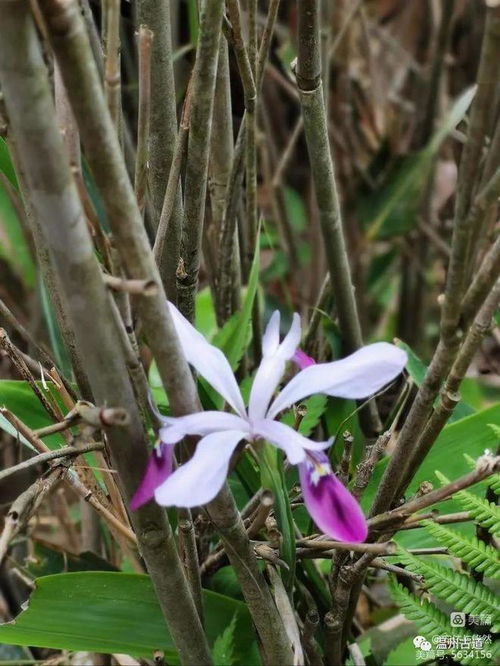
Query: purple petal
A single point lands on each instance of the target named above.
(158, 469)
(302, 360)
(330, 504)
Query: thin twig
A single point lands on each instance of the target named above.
(50, 455)
(486, 466)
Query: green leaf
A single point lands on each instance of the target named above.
(472, 551)
(14, 249)
(461, 591)
(315, 407)
(471, 431)
(392, 208)
(417, 370)
(223, 650)
(487, 514)
(6, 166)
(117, 612)
(404, 653)
(49, 559)
(205, 313)
(342, 415)
(56, 340)
(429, 619)
(18, 397)
(272, 477)
(295, 209)
(454, 116)
(9, 428)
(234, 336)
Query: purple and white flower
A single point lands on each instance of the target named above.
(198, 481)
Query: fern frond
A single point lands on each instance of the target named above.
(429, 619)
(473, 552)
(459, 590)
(495, 428)
(492, 481)
(487, 514)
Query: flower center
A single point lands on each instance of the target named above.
(317, 470)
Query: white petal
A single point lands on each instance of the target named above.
(266, 380)
(357, 376)
(292, 339)
(201, 423)
(290, 441)
(199, 480)
(271, 337)
(272, 368)
(209, 361)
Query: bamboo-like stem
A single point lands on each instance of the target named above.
(221, 158)
(247, 65)
(451, 332)
(29, 103)
(311, 98)
(112, 75)
(145, 40)
(449, 394)
(316, 131)
(416, 425)
(469, 172)
(189, 554)
(71, 47)
(170, 200)
(414, 280)
(228, 227)
(326, 10)
(156, 15)
(202, 100)
(482, 283)
(224, 514)
(469, 168)
(50, 279)
(66, 122)
(93, 34)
